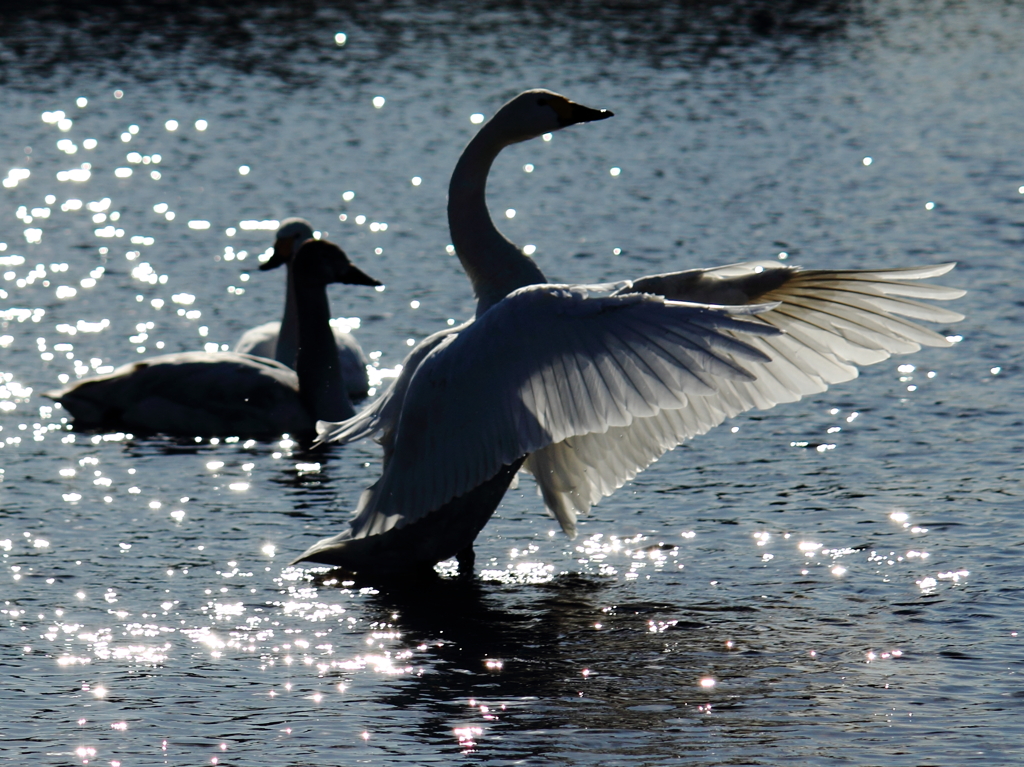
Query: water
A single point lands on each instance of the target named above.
(744, 601)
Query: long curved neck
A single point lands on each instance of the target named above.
(288, 336)
(321, 386)
(493, 264)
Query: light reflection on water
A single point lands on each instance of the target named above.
(837, 579)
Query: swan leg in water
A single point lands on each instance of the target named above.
(448, 532)
(467, 560)
(280, 340)
(586, 386)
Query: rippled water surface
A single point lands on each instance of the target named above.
(836, 581)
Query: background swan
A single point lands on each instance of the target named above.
(585, 387)
(227, 393)
(279, 340)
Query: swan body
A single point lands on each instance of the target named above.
(584, 387)
(227, 393)
(278, 340)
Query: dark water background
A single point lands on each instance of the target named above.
(855, 601)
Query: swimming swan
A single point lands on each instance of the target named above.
(584, 387)
(226, 393)
(280, 340)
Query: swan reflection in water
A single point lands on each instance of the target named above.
(561, 663)
(585, 386)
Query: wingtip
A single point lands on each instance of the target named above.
(323, 432)
(306, 555)
(922, 272)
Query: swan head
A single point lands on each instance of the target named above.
(290, 235)
(536, 112)
(326, 263)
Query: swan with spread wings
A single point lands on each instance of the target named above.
(585, 386)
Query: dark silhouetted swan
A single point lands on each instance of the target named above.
(280, 340)
(226, 393)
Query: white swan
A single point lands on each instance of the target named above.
(226, 393)
(586, 390)
(280, 340)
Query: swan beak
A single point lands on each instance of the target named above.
(281, 255)
(577, 113)
(356, 276)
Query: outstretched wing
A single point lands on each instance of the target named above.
(833, 321)
(381, 418)
(547, 364)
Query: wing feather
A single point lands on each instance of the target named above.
(833, 322)
(382, 415)
(594, 389)
(548, 364)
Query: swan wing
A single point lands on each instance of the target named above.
(860, 297)
(546, 364)
(833, 322)
(382, 415)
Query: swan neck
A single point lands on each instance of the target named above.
(288, 336)
(321, 386)
(494, 265)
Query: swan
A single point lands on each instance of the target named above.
(227, 393)
(280, 340)
(585, 386)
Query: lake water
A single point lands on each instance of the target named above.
(835, 581)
